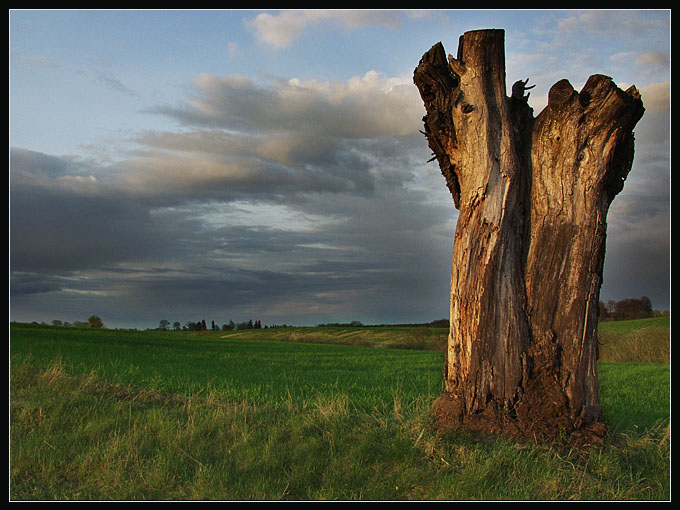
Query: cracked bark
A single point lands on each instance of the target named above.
(533, 195)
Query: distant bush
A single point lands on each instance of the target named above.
(627, 309)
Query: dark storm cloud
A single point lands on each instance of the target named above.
(67, 232)
(63, 219)
(33, 283)
(27, 166)
(328, 292)
(76, 243)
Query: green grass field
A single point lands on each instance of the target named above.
(238, 368)
(299, 413)
(640, 340)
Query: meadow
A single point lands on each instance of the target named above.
(304, 413)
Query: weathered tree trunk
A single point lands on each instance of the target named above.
(532, 195)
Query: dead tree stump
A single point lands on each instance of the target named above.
(533, 195)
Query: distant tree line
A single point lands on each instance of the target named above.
(630, 308)
(440, 323)
(353, 324)
(201, 325)
(626, 309)
(92, 322)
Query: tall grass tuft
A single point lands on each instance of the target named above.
(633, 341)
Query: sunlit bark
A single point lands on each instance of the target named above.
(533, 196)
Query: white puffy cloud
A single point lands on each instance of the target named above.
(280, 137)
(363, 107)
(657, 97)
(279, 30)
(654, 59)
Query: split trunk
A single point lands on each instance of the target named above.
(533, 195)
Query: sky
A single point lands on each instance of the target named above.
(267, 165)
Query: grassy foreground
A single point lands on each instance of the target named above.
(112, 415)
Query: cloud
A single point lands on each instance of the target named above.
(654, 59)
(207, 258)
(281, 199)
(647, 65)
(281, 137)
(42, 173)
(54, 230)
(234, 49)
(363, 107)
(633, 22)
(324, 184)
(29, 61)
(657, 97)
(624, 44)
(638, 232)
(116, 85)
(249, 139)
(280, 30)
